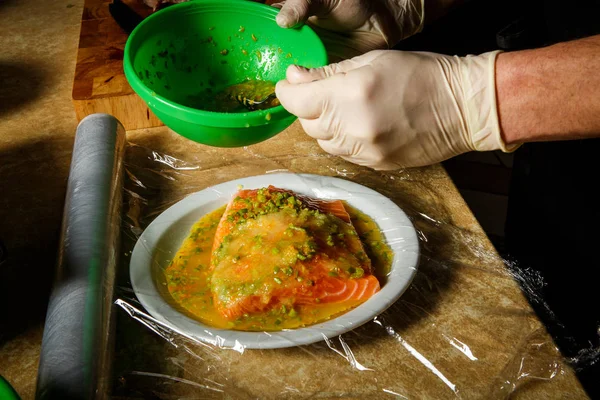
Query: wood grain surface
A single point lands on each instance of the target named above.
(99, 85)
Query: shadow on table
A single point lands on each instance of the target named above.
(19, 85)
(32, 188)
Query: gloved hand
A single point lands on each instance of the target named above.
(393, 109)
(350, 28)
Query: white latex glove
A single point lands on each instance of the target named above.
(350, 28)
(393, 109)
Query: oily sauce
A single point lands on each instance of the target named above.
(250, 95)
(188, 279)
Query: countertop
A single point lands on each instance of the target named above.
(37, 126)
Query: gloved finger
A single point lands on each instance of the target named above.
(304, 100)
(293, 13)
(358, 161)
(314, 128)
(297, 74)
(377, 165)
(333, 148)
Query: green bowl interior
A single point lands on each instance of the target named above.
(190, 50)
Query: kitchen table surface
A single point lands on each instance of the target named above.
(38, 43)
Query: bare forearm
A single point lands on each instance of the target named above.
(551, 93)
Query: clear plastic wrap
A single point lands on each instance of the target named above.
(462, 329)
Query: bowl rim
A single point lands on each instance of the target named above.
(211, 118)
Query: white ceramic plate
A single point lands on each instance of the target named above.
(161, 240)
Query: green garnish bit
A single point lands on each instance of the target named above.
(293, 313)
(276, 270)
(330, 241)
(275, 250)
(277, 280)
(333, 273)
(356, 273)
(288, 271)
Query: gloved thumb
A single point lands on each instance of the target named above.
(296, 74)
(293, 12)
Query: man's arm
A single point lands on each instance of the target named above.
(551, 93)
(395, 109)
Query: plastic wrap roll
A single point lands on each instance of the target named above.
(75, 349)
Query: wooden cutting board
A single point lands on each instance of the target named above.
(99, 85)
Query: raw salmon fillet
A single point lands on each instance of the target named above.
(276, 248)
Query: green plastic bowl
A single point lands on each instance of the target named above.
(177, 53)
(6, 391)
